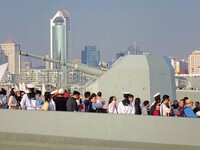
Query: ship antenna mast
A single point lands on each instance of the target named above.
(60, 4)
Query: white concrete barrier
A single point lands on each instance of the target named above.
(96, 131)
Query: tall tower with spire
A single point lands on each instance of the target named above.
(60, 37)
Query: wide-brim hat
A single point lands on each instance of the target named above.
(53, 92)
(30, 86)
(126, 93)
(157, 94)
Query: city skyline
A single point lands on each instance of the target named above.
(160, 27)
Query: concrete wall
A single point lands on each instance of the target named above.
(97, 131)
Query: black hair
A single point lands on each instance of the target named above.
(197, 102)
(175, 104)
(32, 90)
(145, 103)
(157, 98)
(99, 94)
(126, 96)
(4, 92)
(12, 92)
(185, 98)
(47, 96)
(130, 95)
(76, 93)
(110, 99)
(137, 101)
(87, 94)
(92, 95)
(165, 97)
(38, 92)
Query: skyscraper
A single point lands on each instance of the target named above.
(194, 62)
(134, 50)
(3, 57)
(91, 56)
(10, 49)
(60, 37)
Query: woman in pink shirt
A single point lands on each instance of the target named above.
(112, 108)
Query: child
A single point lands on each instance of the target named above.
(145, 108)
(47, 98)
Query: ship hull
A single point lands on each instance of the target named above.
(63, 130)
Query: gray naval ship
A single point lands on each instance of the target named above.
(144, 75)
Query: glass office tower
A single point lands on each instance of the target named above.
(91, 56)
(60, 37)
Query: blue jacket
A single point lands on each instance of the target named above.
(189, 112)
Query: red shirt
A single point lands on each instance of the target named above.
(156, 113)
(66, 95)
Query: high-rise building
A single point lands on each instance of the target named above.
(194, 62)
(10, 49)
(3, 57)
(91, 56)
(134, 50)
(180, 65)
(60, 37)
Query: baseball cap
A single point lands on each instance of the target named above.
(61, 91)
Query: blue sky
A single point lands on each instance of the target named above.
(164, 27)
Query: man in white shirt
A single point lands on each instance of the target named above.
(126, 106)
(52, 104)
(165, 108)
(30, 101)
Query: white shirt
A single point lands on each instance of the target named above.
(52, 105)
(30, 104)
(130, 109)
(164, 110)
(12, 102)
(144, 111)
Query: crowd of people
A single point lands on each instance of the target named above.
(61, 100)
